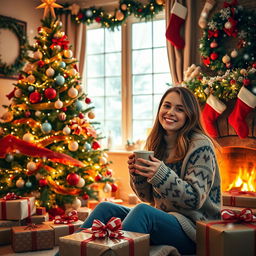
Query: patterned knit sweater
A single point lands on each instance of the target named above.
(190, 190)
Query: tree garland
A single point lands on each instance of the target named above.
(231, 25)
(18, 30)
(107, 20)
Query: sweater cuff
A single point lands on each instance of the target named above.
(159, 175)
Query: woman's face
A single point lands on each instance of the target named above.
(171, 115)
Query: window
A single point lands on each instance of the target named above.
(126, 73)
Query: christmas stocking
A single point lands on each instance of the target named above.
(178, 14)
(246, 102)
(205, 12)
(212, 110)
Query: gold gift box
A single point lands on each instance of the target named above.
(83, 213)
(18, 209)
(225, 239)
(245, 201)
(63, 229)
(25, 239)
(71, 245)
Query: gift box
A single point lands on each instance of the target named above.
(9, 223)
(36, 219)
(239, 199)
(235, 235)
(17, 209)
(5, 235)
(83, 213)
(40, 210)
(105, 240)
(63, 229)
(32, 238)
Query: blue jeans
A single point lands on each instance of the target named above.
(164, 229)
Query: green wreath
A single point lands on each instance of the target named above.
(19, 31)
(232, 25)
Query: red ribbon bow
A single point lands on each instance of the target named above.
(66, 218)
(11, 196)
(233, 30)
(213, 33)
(62, 41)
(233, 3)
(111, 229)
(245, 215)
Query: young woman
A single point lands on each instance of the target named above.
(181, 182)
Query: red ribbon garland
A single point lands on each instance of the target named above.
(66, 218)
(62, 42)
(245, 217)
(112, 230)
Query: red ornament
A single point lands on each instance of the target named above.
(109, 172)
(20, 77)
(80, 15)
(139, 10)
(35, 97)
(114, 187)
(27, 114)
(42, 182)
(246, 82)
(85, 196)
(98, 177)
(50, 93)
(95, 145)
(40, 63)
(88, 100)
(232, 81)
(73, 179)
(213, 44)
(39, 29)
(214, 56)
(254, 65)
(81, 115)
(98, 19)
(64, 109)
(228, 65)
(65, 75)
(206, 61)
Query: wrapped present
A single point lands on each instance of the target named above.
(234, 235)
(32, 238)
(5, 235)
(105, 239)
(40, 210)
(238, 209)
(13, 207)
(9, 223)
(36, 219)
(83, 213)
(239, 199)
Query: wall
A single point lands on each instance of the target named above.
(24, 10)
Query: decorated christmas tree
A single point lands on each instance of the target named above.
(49, 146)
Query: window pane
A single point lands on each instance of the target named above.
(156, 100)
(160, 81)
(94, 86)
(159, 33)
(142, 35)
(113, 40)
(95, 41)
(142, 62)
(95, 65)
(98, 102)
(161, 63)
(115, 112)
(113, 86)
(142, 107)
(140, 129)
(115, 129)
(113, 64)
(142, 84)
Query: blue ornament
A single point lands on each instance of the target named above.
(62, 64)
(31, 88)
(9, 158)
(60, 80)
(46, 127)
(28, 184)
(87, 146)
(79, 105)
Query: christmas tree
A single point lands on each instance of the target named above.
(49, 145)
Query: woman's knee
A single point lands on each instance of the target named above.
(142, 208)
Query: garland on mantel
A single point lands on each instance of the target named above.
(119, 16)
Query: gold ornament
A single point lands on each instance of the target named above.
(225, 59)
(49, 6)
(123, 7)
(160, 2)
(119, 15)
(91, 115)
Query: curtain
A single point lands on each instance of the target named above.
(180, 60)
(76, 34)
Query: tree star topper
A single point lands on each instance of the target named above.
(49, 6)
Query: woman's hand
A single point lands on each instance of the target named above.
(149, 170)
(131, 162)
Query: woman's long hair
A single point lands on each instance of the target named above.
(193, 124)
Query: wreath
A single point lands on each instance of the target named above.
(18, 29)
(232, 25)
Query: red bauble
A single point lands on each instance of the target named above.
(109, 172)
(40, 63)
(114, 187)
(213, 44)
(50, 93)
(64, 109)
(73, 179)
(42, 182)
(81, 115)
(98, 19)
(88, 101)
(246, 82)
(98, 177)
(232, 81)
(35, 97)
(95, 145)
(254, 65)
(214, 56)
(85, 196)
(27, 114)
